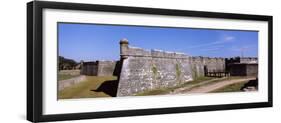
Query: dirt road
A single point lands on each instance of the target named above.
(214, 86)
(184, 89)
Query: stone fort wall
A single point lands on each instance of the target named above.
(245, 60)
(200, 65)
(98, 68)
(249, 60)
(144, 70)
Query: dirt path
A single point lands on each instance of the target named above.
(214, 86)
(183, 89)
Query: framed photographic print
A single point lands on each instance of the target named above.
(96, 61)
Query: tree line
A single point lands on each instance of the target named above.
(67, 64)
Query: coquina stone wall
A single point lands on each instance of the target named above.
(243, 69)
(89, 68)
(144, 70)
(98, 68)
(237, 60)
(249, 60)
(200, 65)
(106, 68)
(197, 66)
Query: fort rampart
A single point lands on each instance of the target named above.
(149, 69)
(98, 68)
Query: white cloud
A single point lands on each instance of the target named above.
(213, 48)
(228, 38)
(241, 48)
(224, 40)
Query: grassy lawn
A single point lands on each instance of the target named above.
(106, 86)
(231, 88)
(215, 81)
(65, 76)
(92, 87)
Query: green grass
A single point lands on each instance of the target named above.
(65, 76)
(201, 81)
(160, 91)
(214, 81)
(196, 81)
(85, 89)
(178, 71)
(231, 88)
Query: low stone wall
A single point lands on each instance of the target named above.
(69, 72)
(70, 82)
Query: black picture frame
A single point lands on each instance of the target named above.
(35, 69)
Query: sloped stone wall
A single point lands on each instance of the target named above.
(99, 68)
(106, 68)
(243, 69)
(89, 68)
(144, 70)
(197, 66)
(200, 65)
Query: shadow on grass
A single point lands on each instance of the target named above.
(108, 87)
(251, 83)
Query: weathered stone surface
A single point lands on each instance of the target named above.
(99, 68)
(89, 68)
(200, 65)
(106, 68)
(70, 82)
(243, 69)
(144, 70)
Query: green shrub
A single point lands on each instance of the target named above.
(178, 70)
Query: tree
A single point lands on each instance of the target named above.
(66, 64)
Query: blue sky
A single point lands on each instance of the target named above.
(90, 42)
